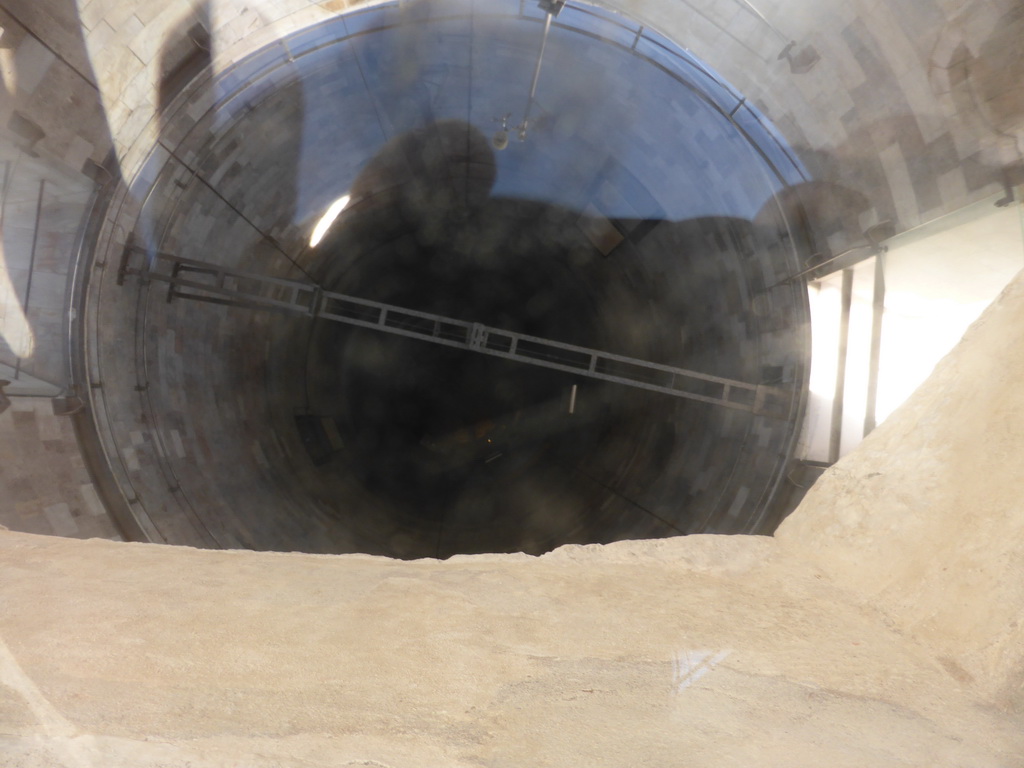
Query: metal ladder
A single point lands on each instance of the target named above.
(202, 281)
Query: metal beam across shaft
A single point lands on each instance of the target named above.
(203, 281)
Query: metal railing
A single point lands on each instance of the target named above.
(201, 281)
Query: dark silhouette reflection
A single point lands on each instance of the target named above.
(186, 53)
(470, 453)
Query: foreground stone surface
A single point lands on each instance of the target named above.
(711, 651)
(881, 627)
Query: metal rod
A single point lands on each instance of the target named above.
(844, 341)
(572, 399)
(540, 56)
(819, 267)
(536, 74)
(31, 265)
(877, 316)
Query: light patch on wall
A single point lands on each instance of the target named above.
(599, 230)
(7, 68)
(825, 299)
(14, 326)
(691, 666)
(938, 282)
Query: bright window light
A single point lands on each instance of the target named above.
(14, 327)
(327, 219)
(7, 68)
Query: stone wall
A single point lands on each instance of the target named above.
(912, 106)
(900, 106)
(44, 484)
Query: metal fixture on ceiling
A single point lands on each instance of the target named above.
(500, 139)
(800, 60)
